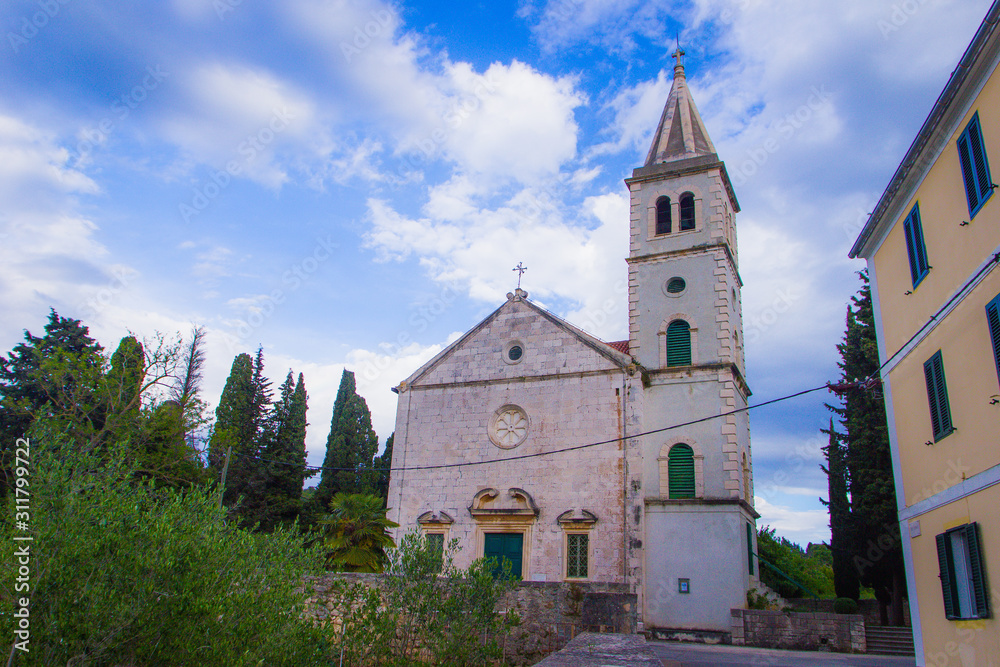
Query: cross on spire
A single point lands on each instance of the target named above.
(679, 53)
(520, 268)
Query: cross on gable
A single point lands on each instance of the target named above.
(520, 268)
(679, 53)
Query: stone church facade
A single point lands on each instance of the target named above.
(576, 459)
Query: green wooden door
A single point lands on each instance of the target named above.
(505, 545)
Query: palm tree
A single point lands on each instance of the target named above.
(356, 533)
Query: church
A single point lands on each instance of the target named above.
(584, 460)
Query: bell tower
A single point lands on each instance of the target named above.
(685, 330)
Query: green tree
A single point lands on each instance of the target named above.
(285, 453)
(356, 533)
(30, 380)
(877, 550)
(22, 393)
(842, 532)
(350, 447)
(383, 465)
(131, 574)
(793, 562)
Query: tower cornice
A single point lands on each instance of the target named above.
(693, 165)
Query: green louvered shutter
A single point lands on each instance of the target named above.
(750, 546)
(916, 249)
(679, 343)
(982, 607)
(975, 165)
(937, 396)
(993, 318)
(680, 463)
(946, 574)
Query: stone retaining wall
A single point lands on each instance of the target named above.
(844, 633)
(551, 613)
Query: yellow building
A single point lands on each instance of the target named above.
(933, 246)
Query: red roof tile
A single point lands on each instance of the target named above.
(620, 345)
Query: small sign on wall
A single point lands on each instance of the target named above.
(684, 586)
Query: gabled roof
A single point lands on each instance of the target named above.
(681, 133)
(612, 352)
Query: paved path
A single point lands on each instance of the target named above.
(676, 654)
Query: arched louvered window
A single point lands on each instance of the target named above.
(663, 215)
(679, 343)
(680, 464)
(687, 211)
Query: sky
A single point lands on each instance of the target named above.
(348, 184)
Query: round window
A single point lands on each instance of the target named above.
(675, 286)
(509, 427)
(513, 352)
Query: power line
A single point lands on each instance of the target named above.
(933, 318)
(556, 451)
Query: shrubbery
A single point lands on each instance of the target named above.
(425, 611)
(125, 573)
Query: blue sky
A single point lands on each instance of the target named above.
(350, 183)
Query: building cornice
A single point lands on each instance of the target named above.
(974, 68)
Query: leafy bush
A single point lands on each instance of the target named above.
(813, 572)
(425, 611)
(125, 573)
(845, 606)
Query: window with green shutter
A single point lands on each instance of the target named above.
(916, 251)
(577, 546)
(937, 396)
(993, 320)
(750, 546)
(679, 343)
(680, 467)
(962, 573)
(975, 165)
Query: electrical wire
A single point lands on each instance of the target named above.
(554, 451)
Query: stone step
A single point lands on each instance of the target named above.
(889, 641)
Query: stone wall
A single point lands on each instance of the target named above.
(844, 633)
(867, 608)
(551, 613)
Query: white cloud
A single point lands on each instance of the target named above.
(799, 526)
(244, 120)
(462, 240)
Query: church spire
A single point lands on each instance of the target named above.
(681, 133)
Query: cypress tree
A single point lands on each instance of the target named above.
(123, 386)
(845, 576)
(877, 549)
(383, 463)
(235, 428)
(286, 453)
(350, 446)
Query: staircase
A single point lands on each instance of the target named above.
(889, 641)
